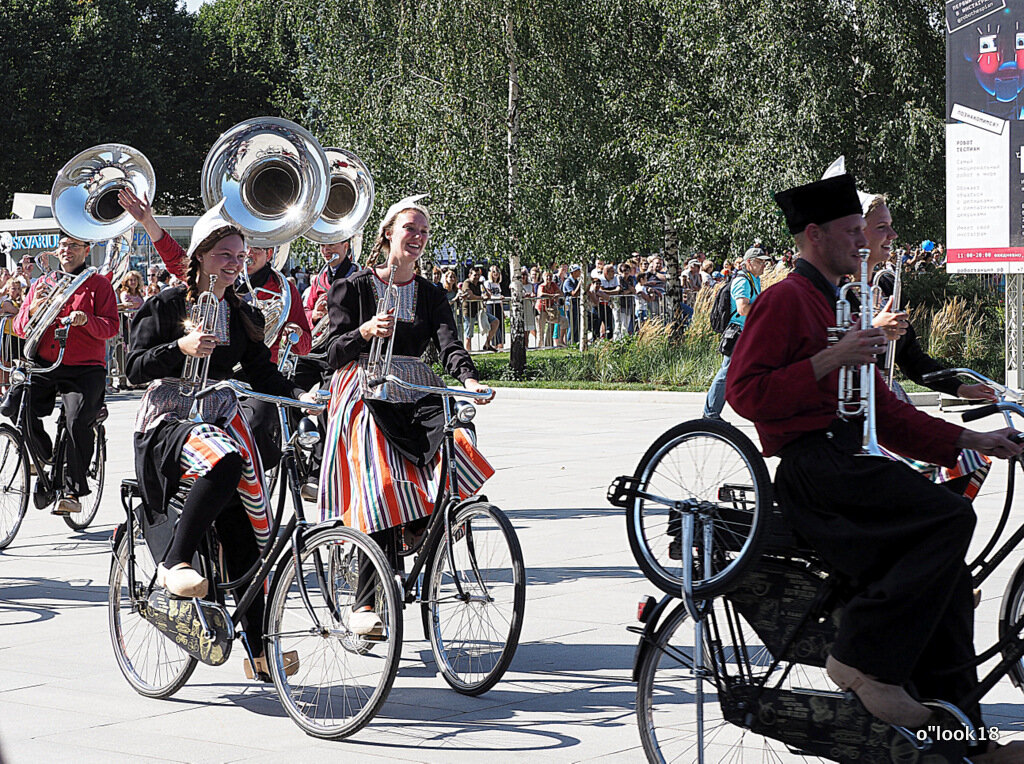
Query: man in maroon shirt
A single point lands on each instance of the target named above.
(81, 376)
(877, 522)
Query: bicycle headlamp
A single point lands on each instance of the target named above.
(465, 411)
(307, 435)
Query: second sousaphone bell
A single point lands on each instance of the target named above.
(349, 201)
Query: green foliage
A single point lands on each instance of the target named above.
(75, 73)
(959, 319)
(652, 358)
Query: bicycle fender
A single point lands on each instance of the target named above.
(647, 638)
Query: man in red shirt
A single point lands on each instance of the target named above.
(874, 520)
(81, 377)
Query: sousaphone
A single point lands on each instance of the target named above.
(272, 175)
(84, 202)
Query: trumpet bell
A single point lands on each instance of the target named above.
(349, 201)
(84, 194)
(272, 175)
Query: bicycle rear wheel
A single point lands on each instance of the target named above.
(474, 637)
(337, 690)
(153, 665)
(13, 484)
(94, 476)
(717, 473)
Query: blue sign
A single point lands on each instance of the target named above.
(50, 240)
(37, 241)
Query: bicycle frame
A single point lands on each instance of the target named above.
(1010, 402)
(22, 373)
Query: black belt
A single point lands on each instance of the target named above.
(845, 436)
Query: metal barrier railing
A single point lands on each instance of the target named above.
(553, 321)
(117, 350)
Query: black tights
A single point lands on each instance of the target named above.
(206, 500)
(387, 540)
(214, 499)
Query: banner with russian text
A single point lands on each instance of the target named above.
(985, 136)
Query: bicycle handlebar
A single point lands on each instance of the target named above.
(245, 391)
(61, 334)
(980, 413)
(1002, 390)
(450, 392)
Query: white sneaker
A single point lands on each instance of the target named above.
(366, 623)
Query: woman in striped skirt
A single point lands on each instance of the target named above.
(381, 457)
(214, 453)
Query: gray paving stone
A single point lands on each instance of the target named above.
(567, 697)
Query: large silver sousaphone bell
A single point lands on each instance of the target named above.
(84, 202)
(84, 194)
(272, 175)
(349, 202)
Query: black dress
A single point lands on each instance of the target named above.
(154, 354)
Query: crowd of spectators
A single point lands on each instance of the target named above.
(620, 296)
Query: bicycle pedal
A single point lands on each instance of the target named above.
(622, 491)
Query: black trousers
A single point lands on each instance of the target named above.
(81, 389)
(902, 540)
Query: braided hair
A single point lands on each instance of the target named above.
(254, 332)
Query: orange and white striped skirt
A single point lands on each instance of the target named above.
(366, 481)
(208, 443)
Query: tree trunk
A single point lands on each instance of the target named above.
(673, 289)
(517, 352)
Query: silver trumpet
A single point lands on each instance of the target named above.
(378, 366)
(203, 316)
(858, 400)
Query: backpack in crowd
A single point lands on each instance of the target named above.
(721, 306)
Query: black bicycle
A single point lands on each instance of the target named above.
(20, 457)
(736, 672)
(467, 573)
(330, 684)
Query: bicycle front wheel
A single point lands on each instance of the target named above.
(474, 633)
(153, 665)
(1013, 611)
(13, 484)
(94, 477)
(337, 689)
(679, 699)
(717, 473)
